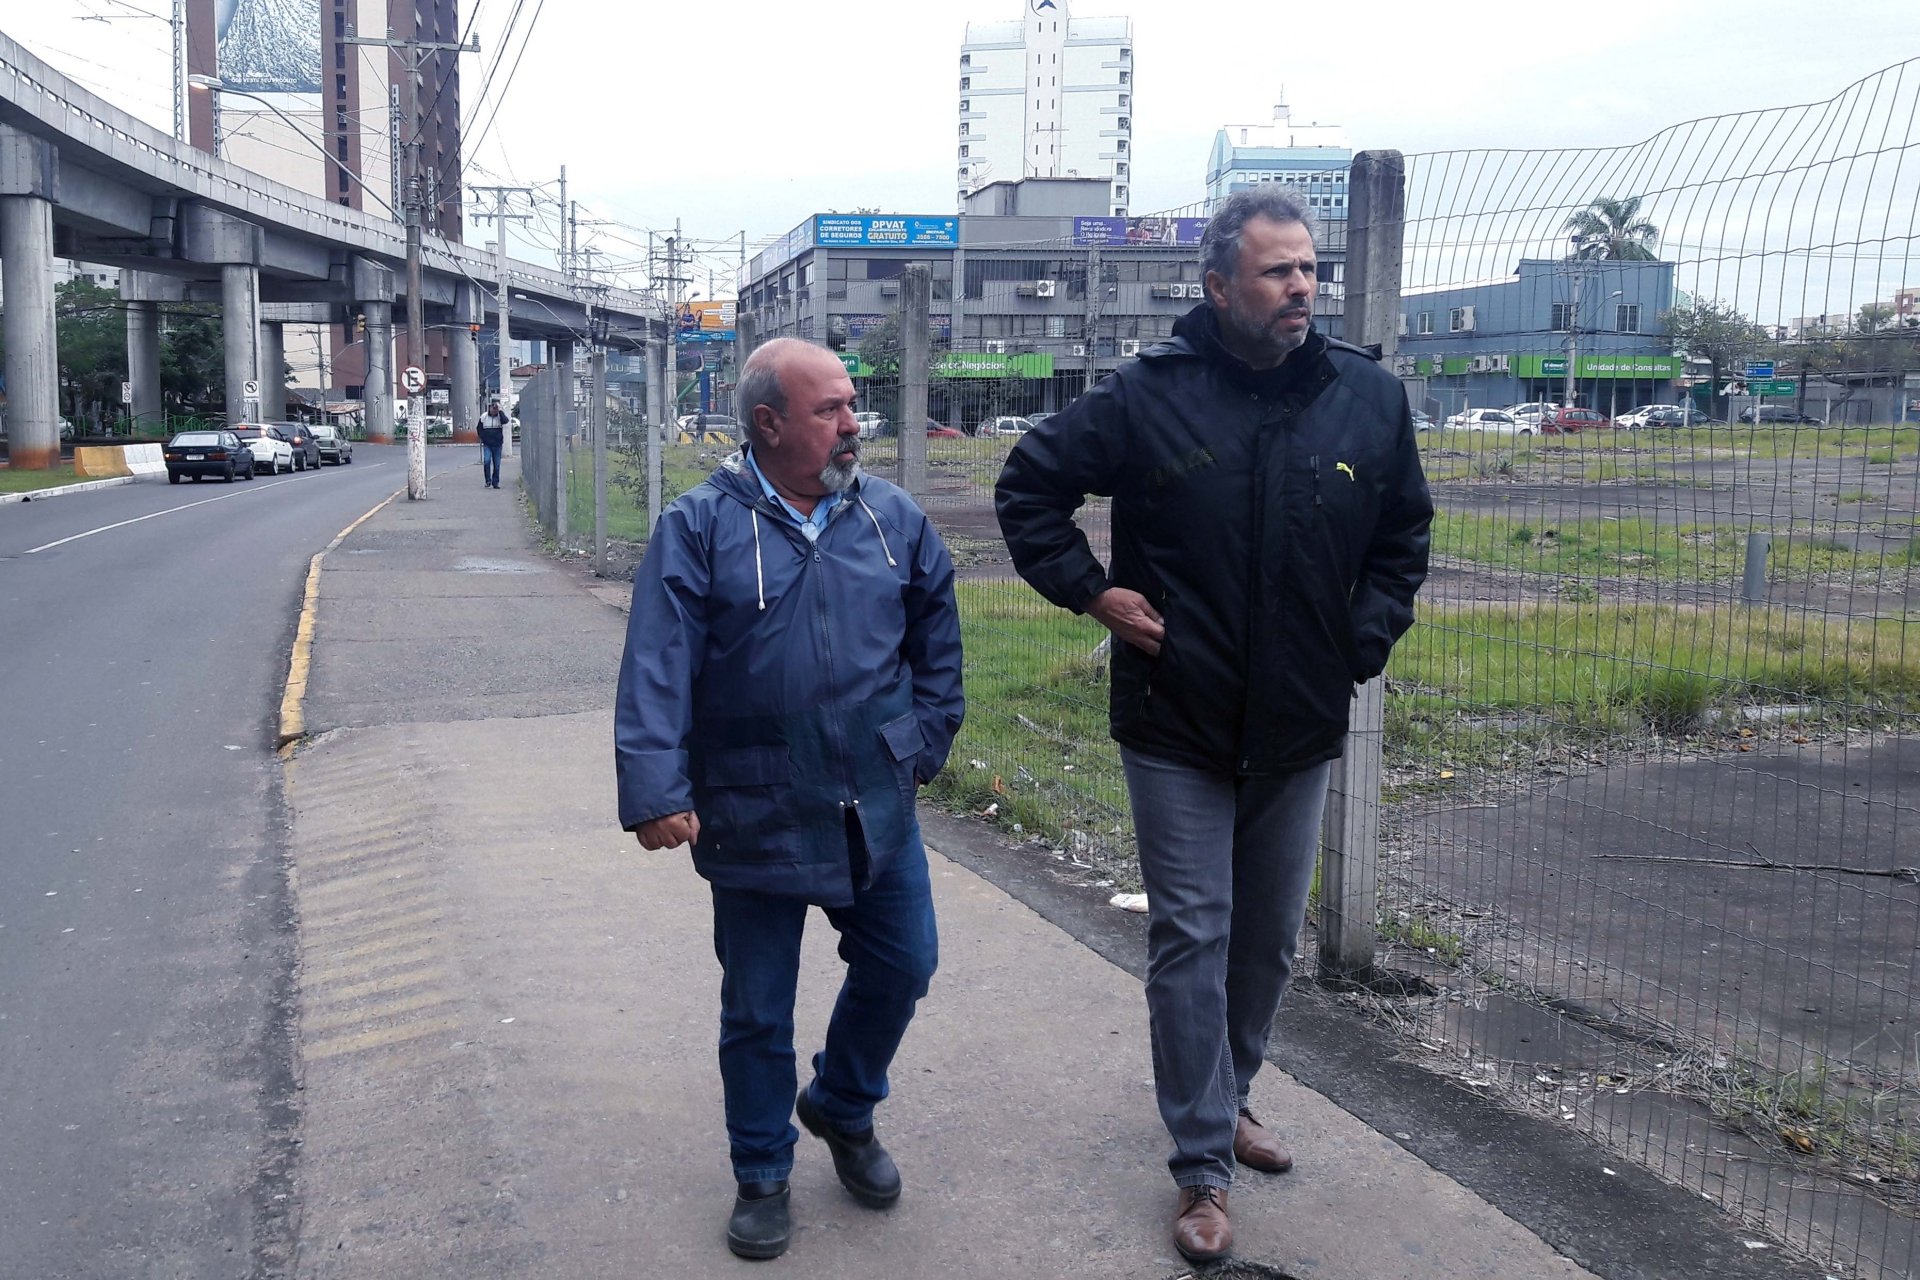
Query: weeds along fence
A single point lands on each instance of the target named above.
(1653, 748)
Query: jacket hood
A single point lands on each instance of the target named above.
(1200, 328)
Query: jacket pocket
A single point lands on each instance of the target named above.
(746, 811)
(905, 742)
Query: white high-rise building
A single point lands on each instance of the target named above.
(1049, 96)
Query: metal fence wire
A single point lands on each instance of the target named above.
(1652, 750)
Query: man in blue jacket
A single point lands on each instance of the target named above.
(791, 678)
(1270, 528)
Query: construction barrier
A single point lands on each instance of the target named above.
(99, 462)
(145, 460)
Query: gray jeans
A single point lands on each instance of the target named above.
(1228, 863)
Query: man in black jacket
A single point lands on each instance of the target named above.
(1270, 527)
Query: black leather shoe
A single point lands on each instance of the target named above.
(865, 1168)
(759, 1227)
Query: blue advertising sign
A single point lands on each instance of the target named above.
(882, 230)
(1139, 231)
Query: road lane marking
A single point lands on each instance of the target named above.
(155, 515)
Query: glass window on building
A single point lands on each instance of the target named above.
(1056, 326)
(1562, 318)
(1423, 323)
(1626, 317)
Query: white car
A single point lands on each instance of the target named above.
(271, 454)
(1495, 420)
(1531, 412)
(1008, 427)
(871, 424)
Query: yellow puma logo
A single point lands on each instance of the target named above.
(1341, 466)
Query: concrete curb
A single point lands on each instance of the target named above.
(293, 715)
(61, 490)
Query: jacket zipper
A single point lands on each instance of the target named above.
(1314, 463)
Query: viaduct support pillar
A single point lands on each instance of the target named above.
(273, 372)
(143, 365)
(27, 176)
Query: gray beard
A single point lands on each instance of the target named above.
(1256, 343)
(838, 480)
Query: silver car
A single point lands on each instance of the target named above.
(335, 447)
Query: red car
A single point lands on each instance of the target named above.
(936, 431)
(1564, 422)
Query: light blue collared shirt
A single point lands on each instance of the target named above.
(810, 526)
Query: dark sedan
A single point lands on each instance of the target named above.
(306, 448)
(207, 453)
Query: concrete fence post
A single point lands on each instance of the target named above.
(916, 347)
(1350, 866)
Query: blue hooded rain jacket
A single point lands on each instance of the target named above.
(792, 695)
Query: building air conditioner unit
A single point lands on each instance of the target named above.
(996, 347)
(890, 289)
(1168, 291)
(1027, 290)
(1080, 348)
(1130, 347)
(1196, 291)
(1478, 364)
(1043, 288)
(1498, 364)
(1403, 326)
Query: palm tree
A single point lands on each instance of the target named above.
(1610, 228)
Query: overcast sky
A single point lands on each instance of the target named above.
(751, 114)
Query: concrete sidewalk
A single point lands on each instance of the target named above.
(508, 1010)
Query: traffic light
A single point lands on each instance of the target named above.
(360, 326)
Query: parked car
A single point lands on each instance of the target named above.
(1771, 415)
(207, 453)
(1421, 422)
(719, 427)
(1531, 412)
(1661, 415)
(306, 449)
(1564, 422)
(871, 424)
(1037, 418)
(1007, 427)
(940, 431)
(1489, 420)
(333, 444)
(271, 454)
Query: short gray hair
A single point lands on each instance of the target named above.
(1220, 242)
(760, 383)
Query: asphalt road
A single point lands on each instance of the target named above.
(145, 940)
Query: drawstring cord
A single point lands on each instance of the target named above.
(759, 575)
(891, 562)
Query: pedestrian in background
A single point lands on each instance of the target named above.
(791, 678)
(493, 438)
(1270, 527)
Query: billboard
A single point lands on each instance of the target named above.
(707, 321)
(883, 230)
(1142, 231)
(861, 323)
(268, 46)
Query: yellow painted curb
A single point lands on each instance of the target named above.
(293, 716)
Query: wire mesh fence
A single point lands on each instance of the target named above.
(1652, 755)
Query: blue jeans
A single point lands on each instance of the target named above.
(1228, 863)
(889, 944)
(490, 445)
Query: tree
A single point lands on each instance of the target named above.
(91, 334)
(1873, 317)
(1612, 229)
(193, 369)
(1714, 332)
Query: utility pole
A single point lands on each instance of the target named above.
(597, 416)
(916, 348)
(566, 251)
(411, 51)
(1093, 315)
(503, 276)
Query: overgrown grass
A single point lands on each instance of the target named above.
(682, 467)
(1636, 547)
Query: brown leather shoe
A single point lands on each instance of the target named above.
(1201, 1231)
(1255, 1146)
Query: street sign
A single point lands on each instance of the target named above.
(1553, 366)
(126, 393)
(851, 362)
(414, 379)
(1774, 387)
(250, 389)
(1759, 369)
